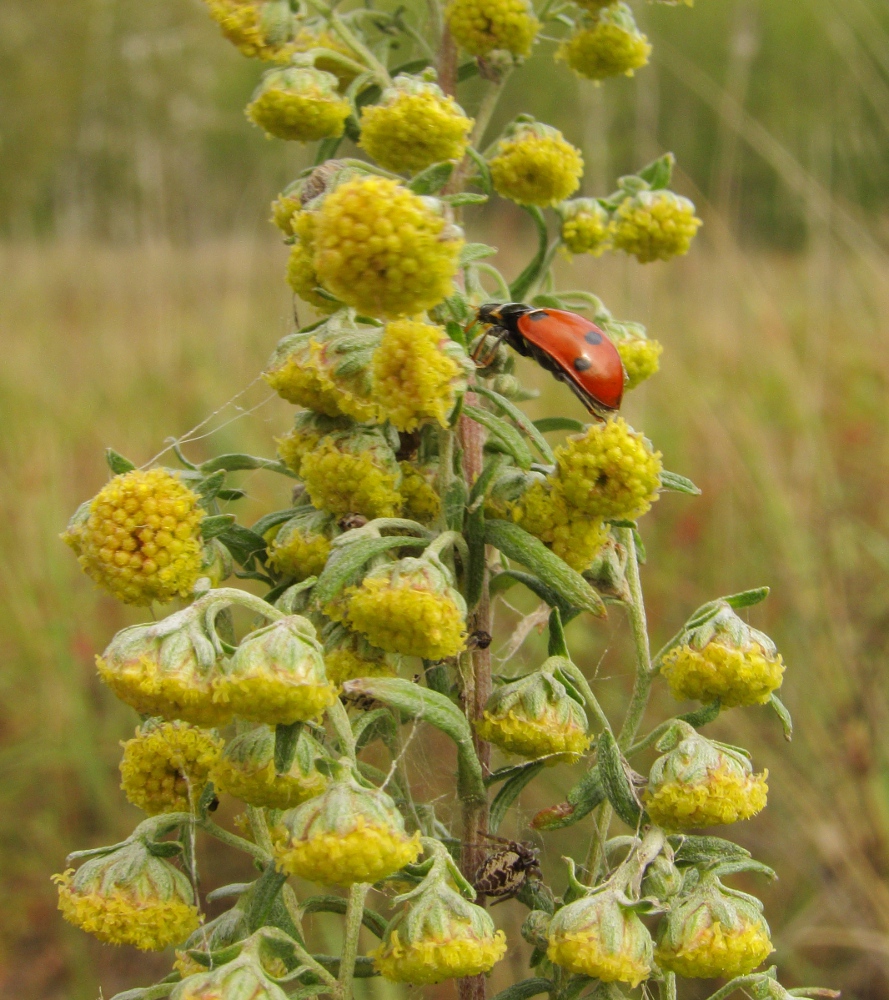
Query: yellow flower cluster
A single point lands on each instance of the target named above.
(413, 127)
(715, 950)
(255, 27)
(352, 479)
(285, 209)
(415, 376)
(301, 547)
(610, 47)
(461, 953)
(611, 471)
(573, 536)
(655, 225)
(299, 104)
(585, 953)
(586, 227)
(532, 738)
(641, 359)
(384, 250)
(140, 538)
(483, 26)
(166, 765)
(118, 916)
(366, 853)
(723, 796)
(737, 676)
(536, 166)
(301, 274)
(421, 502)
(406, 617)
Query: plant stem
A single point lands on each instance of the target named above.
(260, 828)
(233, 840)
(354, 913)
(639, 626)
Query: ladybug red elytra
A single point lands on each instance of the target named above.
(570, 347)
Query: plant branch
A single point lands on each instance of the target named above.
(354, 914)
(639, 626)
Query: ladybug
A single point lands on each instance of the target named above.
(574, 350)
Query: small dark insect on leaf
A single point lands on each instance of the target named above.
(479, 640)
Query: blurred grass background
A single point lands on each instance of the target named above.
(142, 289)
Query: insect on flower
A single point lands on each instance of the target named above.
(502, 874)
(574, 350)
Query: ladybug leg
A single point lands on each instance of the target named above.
(502, 334)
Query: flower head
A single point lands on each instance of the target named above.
(347, 834)
(301, 546)
(575, 537)
(246, 770)
(166, 765)
(301, 274)
(277, 675)
(167, 668)
(300, 104)
(348, 655)
(602, 937)
(140, 537)
(421, 501)
(640, 356)
(326, 368)
(713, 931)
(610, 471)
(262, 29)
(128, 896)
(534, 165)
(414, 126)
(612, 45)
(308, 429)
(724, 658)
(655, 225)
(409, 607)
(536, 716)
(586, 226)
(384, 250)
(438, 935)
(483, 26)
(354, 472)
(699, 782)
(242, 979)
(417, 372)
(285, 208)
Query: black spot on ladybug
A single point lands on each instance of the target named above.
(593, 337)
(581, 364)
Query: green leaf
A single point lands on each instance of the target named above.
(263, 894)
(780, 709)
(505, 578)
(509, 792)
(515, 543)
(510, 771)
(659, 172)
(692, 850)
(583, 798)
(215, 525)
(521, 418)
(744, 865)
(484, 171)
(237, 462)
(675, 483)
(436, 709)
(272, 520)
(557, 645)
(747, 598)
(547, 424)
(432, 179)
(231, 494)
(616, 781)
(489, 473)
(347, 561)
(475, 251)
(503, 433)
(209, 488)
(454, 503)
(701, 716)
(456, 333)
(534, 271)
(464, 198)
(244, 544)
(475, 571)
(286, 738)
(364, 967)
(117, 463)
(372, 920)
(525, 989)
(467, 71)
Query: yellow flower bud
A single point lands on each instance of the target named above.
(348, 655)
(713, 932)
(128, 896)
(483, 26)
(421, 501)
(702, 783)
(724, 658)
(277, 675)
(246, 770)
(534, 165)
(348, 834)
(610, 471)
(414, 126)
(308, 429)
(543, 511)
(417, 372)
(301, 546)
(409, 607)
(262, 29)
(641, 358)
(285, 208)
(299, 104)
(535, 716)
(586, 226)
(354, 472)
(166, 766)
(140, 537)
(384, 250)
(612, 45)
(601, 937)
(655, 225)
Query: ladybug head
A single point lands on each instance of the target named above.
(490, 313)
